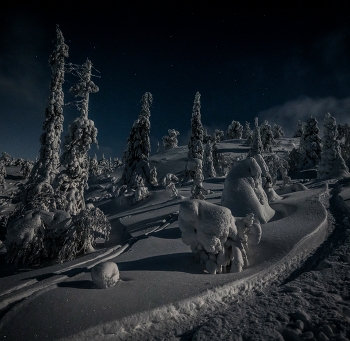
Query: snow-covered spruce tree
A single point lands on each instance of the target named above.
(267, 137)
(2, 173)
(195, 146)
(310, 144)
(153, 176)
(170, 141)
(26, 168)
(299, 131)
(46, 168)
(218, 135)
(72, 181)
(331, 165)
(247, 133)
(208, 164)
(6, 158)
(257, 147)
(277, 131)
(344, 137)
(235, 130)
(93, 166)
(136, 156)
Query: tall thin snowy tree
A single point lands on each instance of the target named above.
(310, 144)
(46, 167)
(331, 165)
(195, 146)
(266, 137)
(257, 147)
(139, 145)
(72, 181)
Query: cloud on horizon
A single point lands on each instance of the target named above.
(290, 112)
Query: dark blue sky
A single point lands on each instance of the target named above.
(279, 63)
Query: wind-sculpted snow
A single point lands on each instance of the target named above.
(243, 193)
(216, 237)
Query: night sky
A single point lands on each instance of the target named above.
(279, 63)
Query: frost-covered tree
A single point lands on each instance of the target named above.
(218, 135)
(331, 164)
(26, 168)
(170, 141)
(47, 166)
(72, 181)
(195, 146)
(93, 166)
(2, 173)
(208, 164)
(267, 139)
(153, 176)
(299, 131)
(277, 131)
(247, 133)
(344, 137)
(138, 145)
(6, 158)
(197, 190)
(310, 144)
(235, 130)
(257, 147)
(141, 191)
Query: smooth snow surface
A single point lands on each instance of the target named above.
(164, 294)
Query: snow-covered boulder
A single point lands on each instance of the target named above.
(105, 275)
(243, 193)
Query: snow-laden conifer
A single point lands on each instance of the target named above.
(195, 146)
(26, 168)
(310, 144)
(299, 131)
(2, 173)
(208, 163)
(234, 130)
(47, 166)
(331, 165)
(170, 141)
(218, 135)
(138, 145)
(72, 181)
(277, 131)
(257, 147)
(267, 139)
(344, 138)
(247, 133)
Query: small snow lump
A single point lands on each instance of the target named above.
(105, 275)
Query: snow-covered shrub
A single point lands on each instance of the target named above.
(93, 167)
(257, 147)
(46, 167)
(141, 191)
(331, 164)
(80, 237)
(277, 131)
(247, 133)
(234, 130)
(299, 131)
(105, 274)
(218, 135)
(136, 156)
(208, 163)
(117, 163)
(197, 190)
(26, 168)
(71, 182)
(170, 141)
(153, 176)
(168, 179)
(310, 144)
(2, 173)
(267, 139)
(6, 159)
(216, 237)
(243, 193)
(195, 145)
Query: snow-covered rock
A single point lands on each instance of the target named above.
(105, 275)
(243, 193)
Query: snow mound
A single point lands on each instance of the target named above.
(105, 275)
(243, 193)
